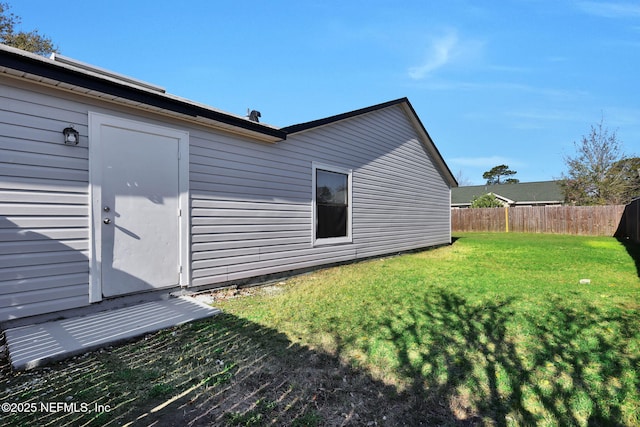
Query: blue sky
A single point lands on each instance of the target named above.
(511, 82)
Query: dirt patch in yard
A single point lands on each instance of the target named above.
(219, 371)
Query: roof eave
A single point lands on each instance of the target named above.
(539, 202)
(431, 146)
(504, 199)
(301, 127)
(23, 65)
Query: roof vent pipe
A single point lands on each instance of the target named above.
(254, 115)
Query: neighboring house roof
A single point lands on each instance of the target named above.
(75, 76)
(524, 193)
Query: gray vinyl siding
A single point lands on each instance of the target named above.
(251, 212)
(251, 207)
(44, 206)
(251, 203)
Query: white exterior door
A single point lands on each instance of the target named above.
(138, 196)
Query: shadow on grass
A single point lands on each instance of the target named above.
(219, 371)
(633, 249)
(489, 364)
(465, 364)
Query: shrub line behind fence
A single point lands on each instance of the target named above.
(582, 220)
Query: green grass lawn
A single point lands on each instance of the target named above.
(493, 330)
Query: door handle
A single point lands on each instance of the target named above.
(107, 221)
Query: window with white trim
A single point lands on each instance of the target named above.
(332, 204)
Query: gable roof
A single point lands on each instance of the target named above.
(77, 77)
(524, 193)
(411, 115)
(339, 117)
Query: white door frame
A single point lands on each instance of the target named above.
(96, 122)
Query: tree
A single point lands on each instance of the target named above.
(624, 177)
(488, 200)
(493, 176)
(30, 41)
(462, 180)
(600, 173)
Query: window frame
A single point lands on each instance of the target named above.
(315, 241)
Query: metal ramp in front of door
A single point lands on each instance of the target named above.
(34, 345)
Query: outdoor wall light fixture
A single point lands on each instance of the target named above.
(71, 136)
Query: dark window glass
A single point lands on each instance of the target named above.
(331, 204)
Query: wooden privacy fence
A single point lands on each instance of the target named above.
(584, 220)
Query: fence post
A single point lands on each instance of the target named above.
(506, 219)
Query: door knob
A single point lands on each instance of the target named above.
(107, 221)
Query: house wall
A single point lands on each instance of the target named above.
(250, 201)
(44, 204)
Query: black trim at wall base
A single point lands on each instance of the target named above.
(270, 279)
